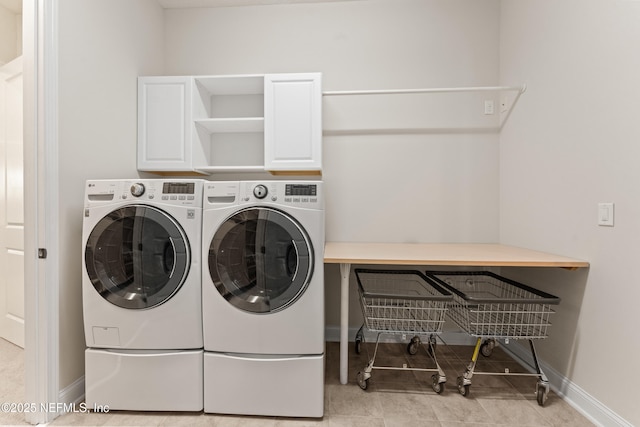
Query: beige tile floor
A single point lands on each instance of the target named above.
(11, 381)
(393, 398)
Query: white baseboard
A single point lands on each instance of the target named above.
(73, 393)
(332, 334)
(575, 396)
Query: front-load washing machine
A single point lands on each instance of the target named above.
(141, 293)
(263, 298)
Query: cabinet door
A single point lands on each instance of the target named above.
(164, 124)
(293, 122)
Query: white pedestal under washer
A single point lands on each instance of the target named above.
(263, 297)
(141, 293)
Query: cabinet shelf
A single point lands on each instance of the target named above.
(519, 89)
(212, 169)
(427, 110)
(252, 84)
(249, 124)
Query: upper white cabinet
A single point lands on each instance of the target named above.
(293, 122)
(164, 112)
(234, 123)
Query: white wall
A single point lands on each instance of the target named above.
(568, 145)
(10, 35)
(430, 180)
(104, 45)
(571, 143)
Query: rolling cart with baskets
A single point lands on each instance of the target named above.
(401, 302)
(490, 307)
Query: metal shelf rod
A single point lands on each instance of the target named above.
(520, 89)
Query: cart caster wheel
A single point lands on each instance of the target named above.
(364, 384)
(487, 348)
(413, 346)
(431, 349)
(358, 346)
(541, 394)
(437, 386)
(464, 389)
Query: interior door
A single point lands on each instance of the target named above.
(11, 205)
(260, 260)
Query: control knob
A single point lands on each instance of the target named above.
(260, 191)
(137, 189)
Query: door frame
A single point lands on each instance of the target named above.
(40, 54)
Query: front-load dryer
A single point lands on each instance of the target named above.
(263, 298)
(141, 292)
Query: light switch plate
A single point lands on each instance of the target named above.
(605, 214)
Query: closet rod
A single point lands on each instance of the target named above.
(520, 89)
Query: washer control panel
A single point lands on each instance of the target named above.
(175, 192)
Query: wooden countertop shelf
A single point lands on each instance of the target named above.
(432, 254)
(444, 254)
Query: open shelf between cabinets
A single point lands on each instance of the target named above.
(228, 125)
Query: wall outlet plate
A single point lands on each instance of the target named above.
(488, 107)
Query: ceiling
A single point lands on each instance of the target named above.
(14, 6)
(171, 4)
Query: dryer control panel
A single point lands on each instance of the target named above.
(306, 194)
(303, 194)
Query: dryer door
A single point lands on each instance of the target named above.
(260, 260)
(137, 257)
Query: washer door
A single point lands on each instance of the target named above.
(260, 260)
(137, 257)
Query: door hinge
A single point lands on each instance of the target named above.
(42, 253)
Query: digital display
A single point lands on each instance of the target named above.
(301, 190)
(178, 188)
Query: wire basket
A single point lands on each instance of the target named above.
(400, 301)
(487, 305)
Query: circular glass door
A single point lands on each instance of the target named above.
(260, 260)
(137, 257)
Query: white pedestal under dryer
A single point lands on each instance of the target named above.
(141, 291)
(263, 298)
